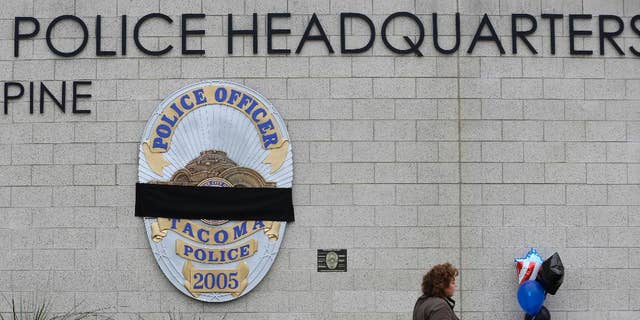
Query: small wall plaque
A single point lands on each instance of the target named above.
(332, 260)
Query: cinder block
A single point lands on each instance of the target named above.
(623, 152)
(416, 108)
(394, 130)
(523, 172)
(479, 7)
(303, 130)
(584, 68)
(245, 67)
(331, 109)
(437, 87)
(604, 89)
(31, 196)
(584, 110)
(75, 69)
(542, 68)
(500, 67)
(396, 172)
(587, 194)
(479, 88)
(375, 109)
(438, 173)
(394, 88)
(33, 70)
(350, 130)
(374, 194)
(606, 7)
(502, 152)
(351, 88)
(565, 173)
(417, 151)
(544, 109)
(501, 109)
(503, 194)
(481, 173)
(312, 173)
(94, 174)
(480, 130)
(372, 66)
(437, 130)
(415, 67)
(15, 175)
(522, 130)
(564, 131)
(606, 173)
(332, 194)
(43, 175)
(352, 173)
(328, 66)
(287, 67)
(416, 194)
(564, 89)
(32, 154)
(74, 196)
(330, 152)
(521, 88)
(74, 153)
(374, 151)
(586, 152)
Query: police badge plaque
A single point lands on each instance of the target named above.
(221, 135)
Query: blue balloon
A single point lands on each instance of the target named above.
(531, 296)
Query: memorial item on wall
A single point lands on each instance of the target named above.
(543, 314)
(215, 174)
(551, 274)
(528, 266)
(548, 276)
(531, 296)
(334, 260)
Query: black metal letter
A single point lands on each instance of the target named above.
(77, 96)
(253, 31)
(552, 28)
(636, 30)
(493, 37)
(99, 51)
(602, 35)
(85, 36)
(184, 32)
(515, 34)
(136, 34)
(573, 33)
(307, 37)
(413, 46)
(343, 40)
(435, 35)
(17, 36)
(8, 97)
(271, 31)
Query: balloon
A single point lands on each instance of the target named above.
(531, 296)
(551, 274)
(527, 267)
(543, 314)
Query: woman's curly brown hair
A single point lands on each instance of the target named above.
(437, 279)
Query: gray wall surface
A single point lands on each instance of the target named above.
(405, 161)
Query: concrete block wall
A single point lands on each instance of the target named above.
(405, 161)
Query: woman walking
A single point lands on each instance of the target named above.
(438, 286)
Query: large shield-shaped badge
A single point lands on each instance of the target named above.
(213, 134)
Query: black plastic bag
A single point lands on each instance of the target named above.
(543, 314)
(551, 274)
